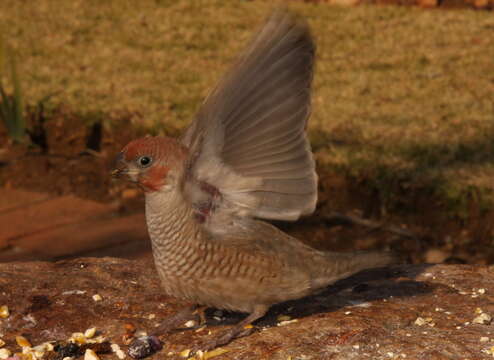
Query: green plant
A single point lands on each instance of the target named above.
(11, 106)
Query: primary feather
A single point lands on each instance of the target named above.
(248, 140)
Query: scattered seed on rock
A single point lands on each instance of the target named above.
(190, 323)
(185, 353)
(4, 311)
(97, 340)
(489, 351)
(4, 353)
(78, 338)
(201, 355)
(421, 321)
(90, 355)
(89, 333)
(116, 349)
(22, 341)
(483, 318)
(287, 322)
(140, 333)
(97, 297)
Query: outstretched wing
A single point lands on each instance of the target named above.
(249, 154)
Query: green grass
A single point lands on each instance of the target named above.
(403, 97)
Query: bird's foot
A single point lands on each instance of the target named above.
(223, 338)
(175, 321)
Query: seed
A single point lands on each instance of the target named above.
(22, 341)
(5, 353)
(116, 349)
(213, 353)
(78, 338)
(90, 355)
(185, 353)
(4, 311)
(89, 333)
(190, 323)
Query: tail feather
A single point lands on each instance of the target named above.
(341, 265)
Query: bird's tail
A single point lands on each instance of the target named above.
(341, 265)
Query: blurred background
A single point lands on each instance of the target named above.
(402, 125)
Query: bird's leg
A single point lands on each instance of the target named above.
(175, 321)
(239, 330)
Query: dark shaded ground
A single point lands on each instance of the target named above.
(68, 168)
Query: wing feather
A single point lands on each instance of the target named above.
(248, 141)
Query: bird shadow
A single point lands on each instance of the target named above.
(363, 287)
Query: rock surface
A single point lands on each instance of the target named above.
(413, 312)
(40, 226)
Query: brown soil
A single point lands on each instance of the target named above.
(68, 168)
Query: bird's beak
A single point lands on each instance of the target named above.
(119, 167)
(116, 173)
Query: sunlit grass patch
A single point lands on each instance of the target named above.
(402, 96)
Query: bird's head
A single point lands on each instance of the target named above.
(154, 163)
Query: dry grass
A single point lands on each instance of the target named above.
(403, 97)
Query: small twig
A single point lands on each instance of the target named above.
(336, 218)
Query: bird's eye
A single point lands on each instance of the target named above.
(144, 161)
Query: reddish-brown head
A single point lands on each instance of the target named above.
(151, 162)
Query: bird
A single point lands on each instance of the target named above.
(244, 160)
